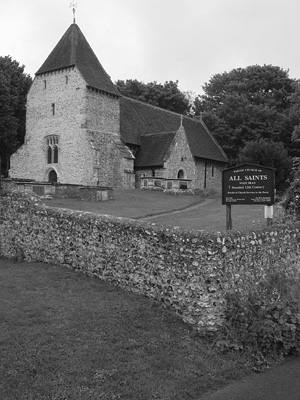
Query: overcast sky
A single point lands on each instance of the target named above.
(159, 40)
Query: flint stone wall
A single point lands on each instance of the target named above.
(190, 272)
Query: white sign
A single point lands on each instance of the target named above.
(269, 211)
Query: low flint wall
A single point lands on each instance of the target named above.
(190, 272)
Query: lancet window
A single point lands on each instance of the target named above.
(52, 149)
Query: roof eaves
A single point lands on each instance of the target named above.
(147, 165)
(157, 134)
(54, 70)
(103, 91)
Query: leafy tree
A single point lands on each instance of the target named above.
(166, 95)
(247, 104)
(14, 86)
(295, 111)
(269, 154)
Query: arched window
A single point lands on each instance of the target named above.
(55, 154)
(52, 176)
(181, 174)
(52, 149)
(49, 154)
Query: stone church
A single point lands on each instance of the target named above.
(81, 130)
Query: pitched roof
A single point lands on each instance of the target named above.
(138, 119)
(153, 149)
(74, 50)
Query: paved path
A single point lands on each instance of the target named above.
(182, 210)
(210, 215)
(281, 382)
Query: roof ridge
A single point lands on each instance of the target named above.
(190, 118)
(152, 105)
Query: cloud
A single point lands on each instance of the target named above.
(185, 40)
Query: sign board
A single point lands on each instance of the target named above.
(248, 184)
(269, 212)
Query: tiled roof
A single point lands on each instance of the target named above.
(74, 50)
(154, 149)
(138, 119)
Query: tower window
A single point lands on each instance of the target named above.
(49, 155)
(52, 149)
(55, 154)
(45, 84)
(67, 79)
(53, 108)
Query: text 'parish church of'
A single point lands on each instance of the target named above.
(81, 130)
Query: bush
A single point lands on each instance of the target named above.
(291, 203)
(265, 321)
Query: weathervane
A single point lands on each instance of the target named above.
(74, 6)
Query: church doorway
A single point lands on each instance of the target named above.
(181, 174)
(52, 176)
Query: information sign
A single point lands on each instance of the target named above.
(248, 184)
(268, 211)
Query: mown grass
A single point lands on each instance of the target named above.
(130, 203)
(68, 336)
(197, 212)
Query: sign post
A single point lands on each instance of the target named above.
(228, 217)
(247, 184)
(268, 214)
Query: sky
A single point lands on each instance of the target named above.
(159, 40)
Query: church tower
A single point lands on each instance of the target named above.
(73, 121)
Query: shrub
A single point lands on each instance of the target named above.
(291, 203)
(265, 321)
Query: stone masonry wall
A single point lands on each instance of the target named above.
(86, 122)
(190, 272)
(180, 157)
(103, 130)
(109, 166)
(141, 172)
(102, 113)
(212, 170)
(213, 174)
(65, 89)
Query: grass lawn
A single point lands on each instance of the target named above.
(196, 212)
(130, 203)
(67, 336)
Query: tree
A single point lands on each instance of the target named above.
(247, 104)
(295, 111)
(269, 154)
(167, 96)
(14, 86)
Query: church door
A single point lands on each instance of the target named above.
(52, 176)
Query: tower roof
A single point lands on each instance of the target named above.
(74, 50)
